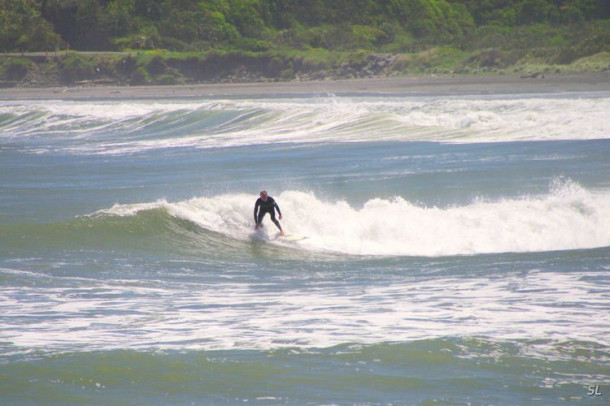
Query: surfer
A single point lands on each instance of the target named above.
(266, 204)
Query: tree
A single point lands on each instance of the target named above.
(534, 11)
(119, 17)
(22, 27)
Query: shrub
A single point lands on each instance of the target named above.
(15, 69)
(139, 77)
(75, 67)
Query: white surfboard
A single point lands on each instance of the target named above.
(292, 237)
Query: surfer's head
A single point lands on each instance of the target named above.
(264, 195)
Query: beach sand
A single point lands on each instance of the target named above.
(405, 85)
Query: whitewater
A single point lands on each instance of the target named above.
(452, 249)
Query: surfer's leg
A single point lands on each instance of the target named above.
(259, 220)
(277, 223)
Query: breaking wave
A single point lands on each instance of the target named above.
(127, 127)
(568, 217)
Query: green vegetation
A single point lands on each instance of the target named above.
(182, 41)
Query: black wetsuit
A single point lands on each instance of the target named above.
(261, 208)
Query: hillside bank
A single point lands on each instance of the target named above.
(167, 68)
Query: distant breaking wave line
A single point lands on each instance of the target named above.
(129, 127)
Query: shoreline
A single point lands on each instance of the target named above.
(390, 86)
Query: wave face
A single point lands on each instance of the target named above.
(128, 127)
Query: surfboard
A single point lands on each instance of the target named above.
(292, 237)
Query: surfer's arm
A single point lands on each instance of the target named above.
(256, 211)
(278, 209)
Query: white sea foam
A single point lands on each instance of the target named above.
(126, 314)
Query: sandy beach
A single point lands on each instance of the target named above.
(407, 85)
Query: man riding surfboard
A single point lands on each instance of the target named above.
(266, 204)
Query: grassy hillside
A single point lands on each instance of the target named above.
(185, 41)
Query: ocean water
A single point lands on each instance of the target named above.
(456, 250)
